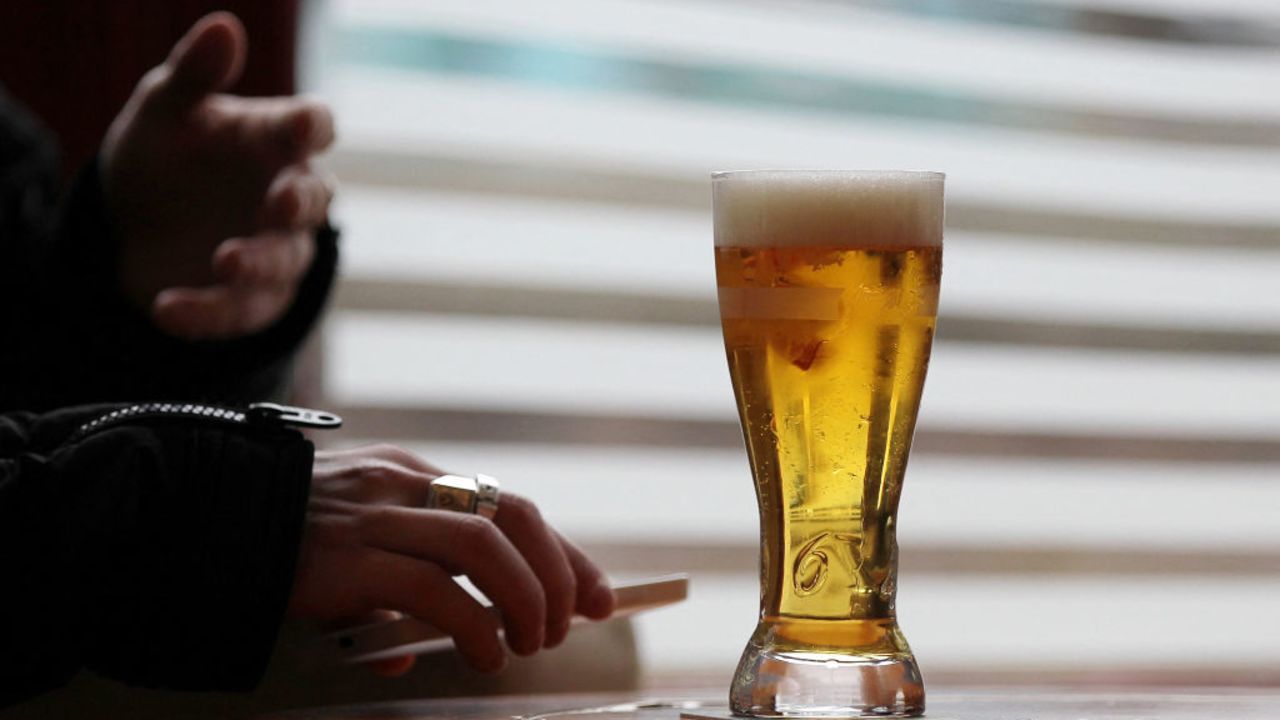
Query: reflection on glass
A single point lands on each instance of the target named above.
(828, 286)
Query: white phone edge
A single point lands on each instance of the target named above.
(410, 636)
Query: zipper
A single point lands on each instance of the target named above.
(257, 414)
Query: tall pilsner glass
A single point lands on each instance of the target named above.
(828, 285)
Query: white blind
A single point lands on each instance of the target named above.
(529, 293)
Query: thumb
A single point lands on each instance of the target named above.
(209, 58)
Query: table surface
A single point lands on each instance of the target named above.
(976, 704)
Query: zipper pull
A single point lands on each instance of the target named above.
(293, 416)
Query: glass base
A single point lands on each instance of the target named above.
(772, 682)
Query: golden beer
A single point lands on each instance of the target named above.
(828, 286)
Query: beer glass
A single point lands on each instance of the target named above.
(828, 288)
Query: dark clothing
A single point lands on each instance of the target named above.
(157, 552)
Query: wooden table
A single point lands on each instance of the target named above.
(993, 704)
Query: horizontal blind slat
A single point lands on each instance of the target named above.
(828, 39)
(411, 297)
(483, 363)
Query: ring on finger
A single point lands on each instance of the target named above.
(477, 495)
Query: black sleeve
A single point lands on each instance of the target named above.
(70, 337)
(156, 554)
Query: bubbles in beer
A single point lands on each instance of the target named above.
(828, 347)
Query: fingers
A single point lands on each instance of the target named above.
(208, 59)
(257, 280)
(520, 520)
(535, 578)
(220, 311)
(428, 593)
(281, 131)
(298, 199)
(307, 127)
(476, 547)
(595, 599)
(271, 259)
(394, 667)
(570, 582)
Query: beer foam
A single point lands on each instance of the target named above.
(874, 208)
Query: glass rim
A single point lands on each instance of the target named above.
(829, 173)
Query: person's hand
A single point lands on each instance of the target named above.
(369, 545)
(210, 195)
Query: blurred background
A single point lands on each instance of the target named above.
(1094, 493)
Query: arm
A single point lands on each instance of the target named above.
(164, 552)
(190, 262)
(159, 555)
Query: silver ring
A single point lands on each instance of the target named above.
(476, 495)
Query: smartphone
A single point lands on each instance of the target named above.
(410, 636)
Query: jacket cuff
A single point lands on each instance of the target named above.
(187, 566)
(269, 587)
